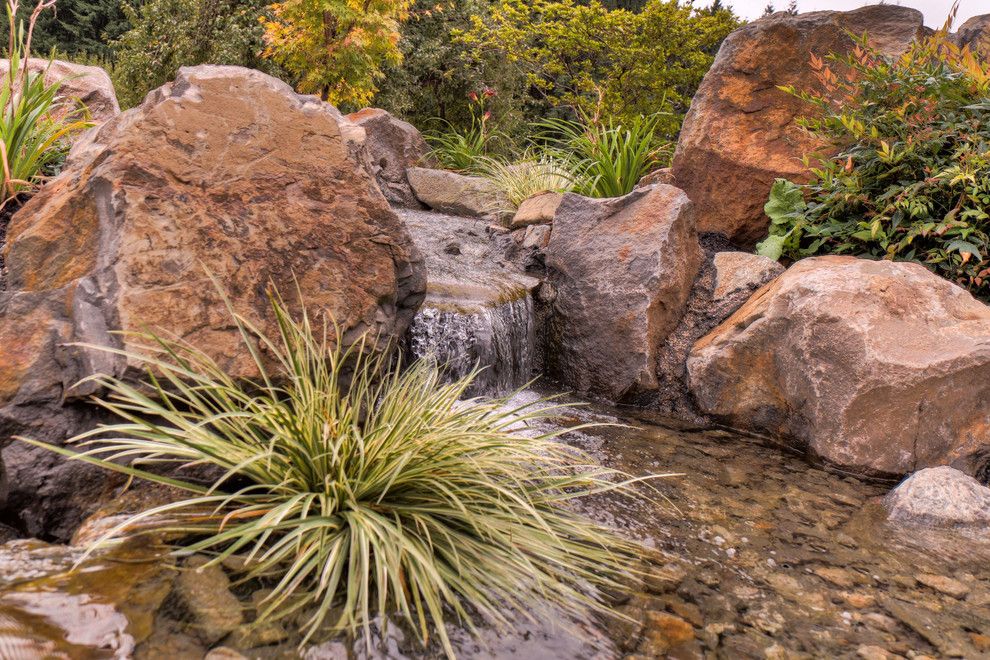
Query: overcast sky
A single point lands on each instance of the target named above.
(935, 11)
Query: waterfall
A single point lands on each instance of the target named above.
(496, 334)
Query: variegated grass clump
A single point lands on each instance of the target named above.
(533, 174)
(360, 490)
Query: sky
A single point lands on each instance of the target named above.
(935, 11)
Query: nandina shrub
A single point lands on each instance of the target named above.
(911, 177)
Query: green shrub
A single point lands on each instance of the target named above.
(466, 150)
(168, 34)
(35, 125)
(357, 490)
(911, 179)
(606, 158)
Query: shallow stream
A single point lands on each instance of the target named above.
(768, 557)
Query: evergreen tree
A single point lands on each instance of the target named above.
(76, 27)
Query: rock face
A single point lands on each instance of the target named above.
(940, 496)
(725, 282)
(975, 33)
(225, 168)
(622, 269)
(739, 134)
(456, 194)
(393, 146)
(880, 367)
(89, 85)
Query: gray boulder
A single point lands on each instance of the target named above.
(456, 194)
(392, 146)
(939, 496)
(89, 85)
(622, 270)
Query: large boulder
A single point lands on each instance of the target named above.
(89, 85)
(393, 146)
(226, 170)
(876, 366)
(621, 270)
(740, 135)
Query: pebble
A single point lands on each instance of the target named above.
(946, 585)
(876, 653)
(205, 591)
(663, 633)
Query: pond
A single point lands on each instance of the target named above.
(766, 556)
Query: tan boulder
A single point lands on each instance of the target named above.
(876, 366)
(739, 134)
(224, 169)
(975, 33)
(622, 269)
(89, 85)
(536, 210)
(456, 194)
(392, 146)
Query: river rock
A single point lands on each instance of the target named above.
(89, 85)
(941, 496)
(622, 269)
(876, 366)
(393, 146)
(739, 134)
(456, 194)
(536, 210)
(226, 168)
(204, 589)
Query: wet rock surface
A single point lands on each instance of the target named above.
(478, 309)
(621, 271)
(760, 556)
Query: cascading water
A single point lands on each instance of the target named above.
(498, 336)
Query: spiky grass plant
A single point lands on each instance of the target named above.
(34, 123)
(360, 490)
(606, 158)
(531, 175)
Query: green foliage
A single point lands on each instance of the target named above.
(606, 64)
(356, 490)
(336, 48)
(465, 150)
(76, 27)
(533, 174)
(168, 34)
(437, 72)
(606, 159)
(35, 124)
(911, 180)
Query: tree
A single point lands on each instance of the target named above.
(438, 72)
(168, 34)
(76, 27)
(769, 9)
(336, 48)
(605, 63)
